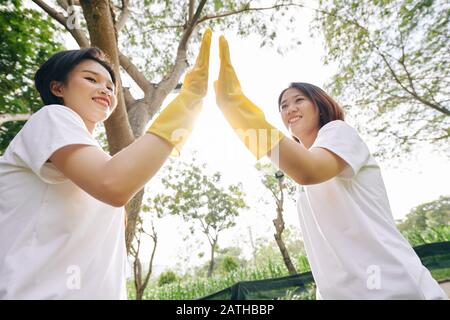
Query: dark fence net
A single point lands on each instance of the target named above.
(433, 256)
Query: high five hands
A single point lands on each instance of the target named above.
(176, 121)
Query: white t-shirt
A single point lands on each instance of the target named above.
(56, 240)
(352, 243)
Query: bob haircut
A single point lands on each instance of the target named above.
(329, 109)
(58, 66)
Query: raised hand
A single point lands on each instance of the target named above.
(247, 120)
(196, 80)
(176, 121)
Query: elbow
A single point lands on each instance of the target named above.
(113, 195)
(116, 202)
(309, 179)
(304, 179)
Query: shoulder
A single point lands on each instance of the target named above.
(337, 125)
(54, 121)
(345, 142)
(338, 130)
(55, 112)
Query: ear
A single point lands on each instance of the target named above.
(56, 87)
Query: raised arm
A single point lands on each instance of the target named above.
(261, 138)
(114, 180)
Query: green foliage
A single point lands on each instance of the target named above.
(436, 234)
(441, 274)
(198, 196)
(428, 216)
(27, 41)
(152, 36)
(229, 264)
(267, 251)
(268, 177)
(167, 277)
(194, 288)
(309, 294)
(200, 200)
(393, 68)
(227, 259)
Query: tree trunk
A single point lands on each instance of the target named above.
(139, 294)
(140, 281)
(137, 268)
(211, 261)
(6, 117)
(118, 131)
(103, 35)
(279, 227)
(132, 208)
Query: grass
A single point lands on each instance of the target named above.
(194, 288)
(441, 274)
(189, 289)
(430, 235)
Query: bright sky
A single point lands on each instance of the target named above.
(263, 74)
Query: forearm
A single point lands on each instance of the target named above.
(294, 160)
(130, 169)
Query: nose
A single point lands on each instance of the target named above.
(290, 108)
(104, 90)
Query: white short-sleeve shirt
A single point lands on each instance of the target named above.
(352, 243)
(56, 240)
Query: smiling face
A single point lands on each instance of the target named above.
(89, 91)
(299, 114)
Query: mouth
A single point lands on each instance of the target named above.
(294, 119)
(103, 101)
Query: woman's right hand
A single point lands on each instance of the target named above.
(247, 119)
(227, 87)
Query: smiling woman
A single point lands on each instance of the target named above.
(353, 246)
(87, 89)
(61, 196)
(304, 101)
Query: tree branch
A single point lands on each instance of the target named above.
(413, 94)
(76, 33)
(383, 55)
(135, 74)
(169, 82)
(402, 63)
(8, 117)
(123, 17)
(154, 237)
(129, 100)
(191, 10)
(165, 27)
(248, 9)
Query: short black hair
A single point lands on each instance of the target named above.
(58, 66)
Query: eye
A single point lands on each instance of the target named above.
(90, 79)
(299, 99)
(283, 107)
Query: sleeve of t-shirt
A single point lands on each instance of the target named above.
(49, 129)
(343, 140)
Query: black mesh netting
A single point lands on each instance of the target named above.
(433, 256)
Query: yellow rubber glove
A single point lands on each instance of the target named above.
(247, 120)
(176, 121)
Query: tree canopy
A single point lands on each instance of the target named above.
(27, 41)
(393, 72)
